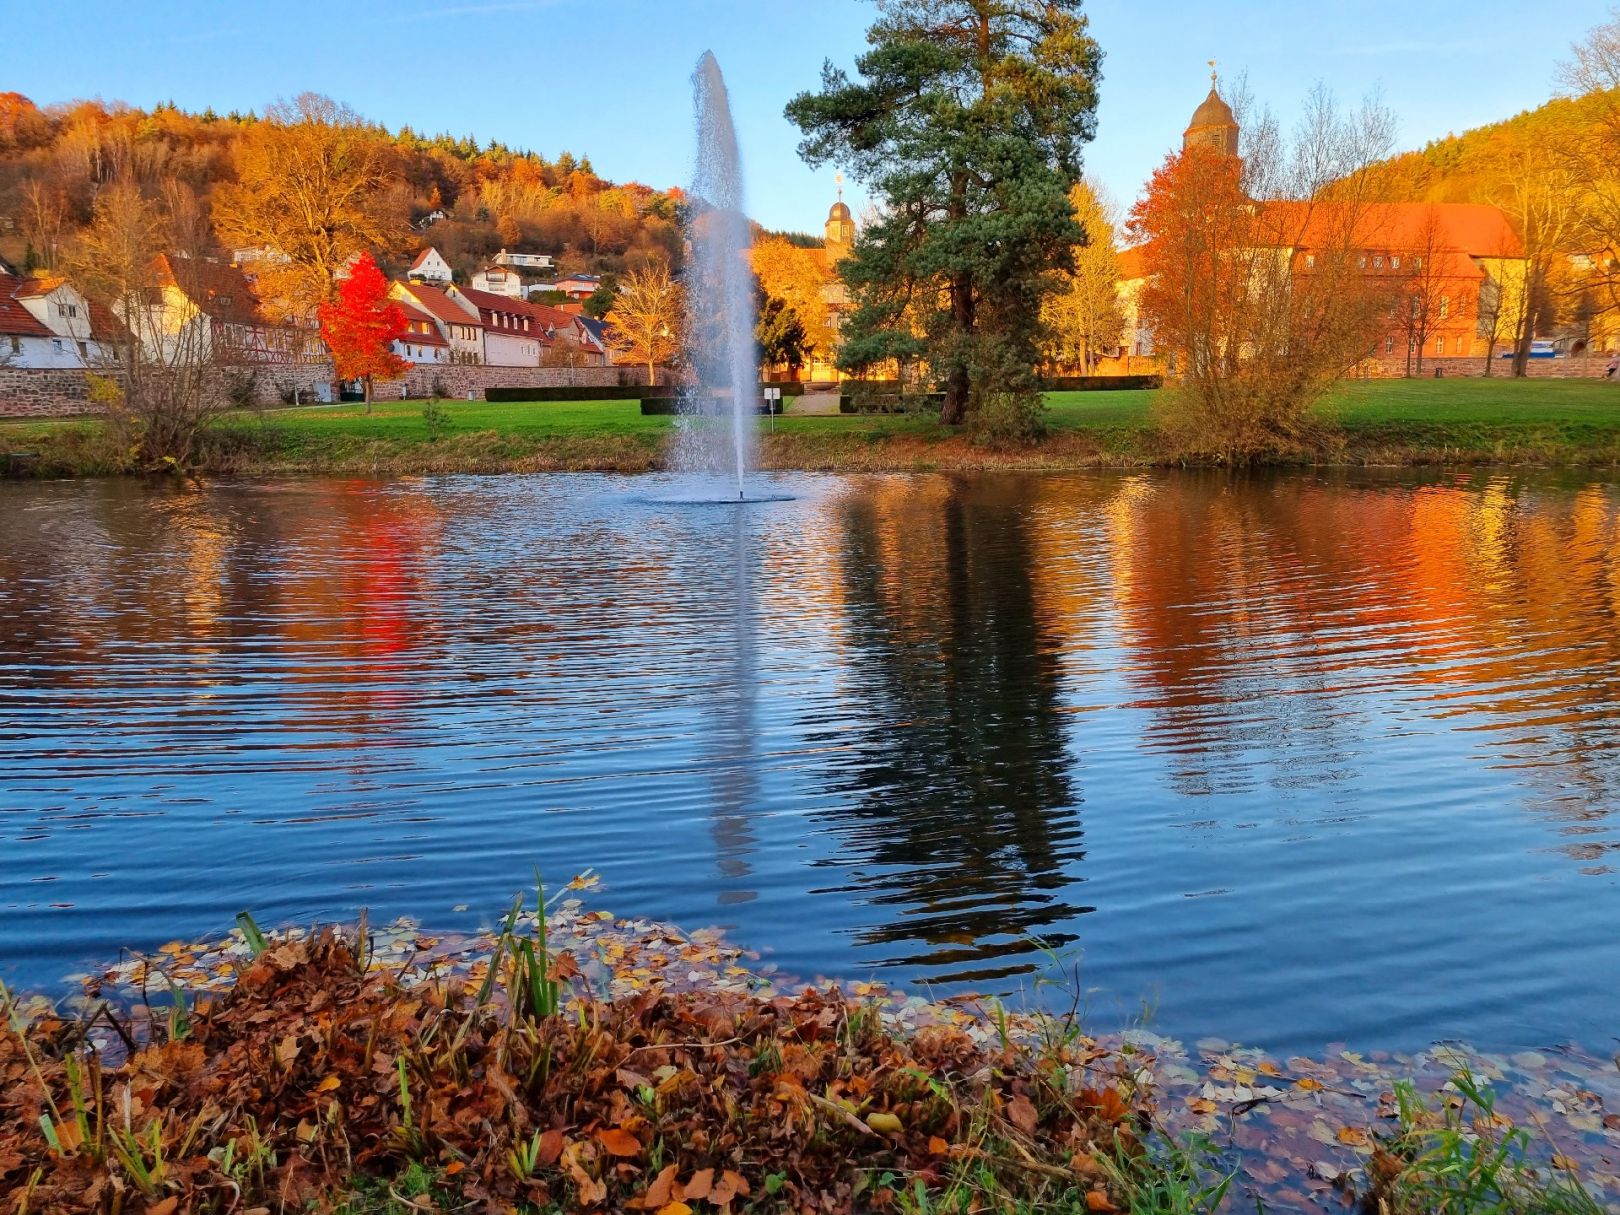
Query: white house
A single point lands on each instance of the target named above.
(46, 322)
(512, 333)
(523, 261)
(500, 280)
(430, 267)
(457, 321)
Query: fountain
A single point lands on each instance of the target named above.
(717, 427)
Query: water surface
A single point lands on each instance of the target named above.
(1294, 759)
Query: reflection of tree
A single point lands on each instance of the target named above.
(959, 811)
(1277, 626)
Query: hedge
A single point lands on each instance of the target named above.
(1101, 383)
(571, 392)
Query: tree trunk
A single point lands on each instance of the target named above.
(651, 374)
(367, 383)
(957, 384)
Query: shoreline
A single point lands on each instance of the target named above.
(1295, 1133)
(73, 453)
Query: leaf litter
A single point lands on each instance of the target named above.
(679, 1074)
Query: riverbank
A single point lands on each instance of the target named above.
(1573, 423)
(606, 1064)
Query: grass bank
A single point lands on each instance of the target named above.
(1386, 422)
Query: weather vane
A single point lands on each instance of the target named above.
(1213, 77)
(839, 178)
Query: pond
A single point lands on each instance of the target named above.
(1291, 759)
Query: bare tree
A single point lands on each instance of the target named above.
(1536, 186)
(647, 318)
(162, 383)
(1430, 292)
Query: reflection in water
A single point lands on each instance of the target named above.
(1307, 758)
(959, 812)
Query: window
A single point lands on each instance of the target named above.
(1389, 344)
(224, 301)
(57, 342)
(1439, 345)
(16, 345)
(1310, 261)
(1378, 262)
(1394, 261)
(1362, 261)
(1445, 306)
(1411, 345)
(1417, 263)
(84, 352)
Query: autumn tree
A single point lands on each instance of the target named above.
(800, 278)
(647, 318)
(1256, 277)
(1083, 316)
(163, 383)
(360, 326)
(967, 119)
(313, 190)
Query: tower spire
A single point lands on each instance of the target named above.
(1214, 76)
(839, 178)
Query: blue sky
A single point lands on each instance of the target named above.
(610, 77)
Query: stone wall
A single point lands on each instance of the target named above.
(43, 393)
(1564, 367)
(61, 393)
(464, 382)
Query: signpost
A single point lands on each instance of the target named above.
(773, 401)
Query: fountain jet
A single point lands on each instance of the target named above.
(719, 296)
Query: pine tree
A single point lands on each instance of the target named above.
(967, 119)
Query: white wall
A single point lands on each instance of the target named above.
(511, 349)
(33, 352)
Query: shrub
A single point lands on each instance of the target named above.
(436, 418)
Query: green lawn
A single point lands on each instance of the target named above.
(1380, 421)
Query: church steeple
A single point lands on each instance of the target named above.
(1213, 124)
(840, 224)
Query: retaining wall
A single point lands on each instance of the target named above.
(65, 392)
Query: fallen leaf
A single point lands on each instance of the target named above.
(619, 1142)
(1353, 1136)
(699, 1186)
(1021, 1114)
(888, 1124)
(1309, 1083)
(1098, 1200)
(167, 1207)
(937, 1146)
(675, 1208)
(658, 1193)
(329, 1084)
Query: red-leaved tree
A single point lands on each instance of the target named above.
(360, 326)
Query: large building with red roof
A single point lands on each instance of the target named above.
(1456, 268)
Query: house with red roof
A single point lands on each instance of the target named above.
(422, 342)
(203, 308)
(513, 335)
(430, 267)
(46, 322)
(457, 321)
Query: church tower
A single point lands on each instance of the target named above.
(840, 227)
(1213, 124)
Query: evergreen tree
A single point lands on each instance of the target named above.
(967, 119)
